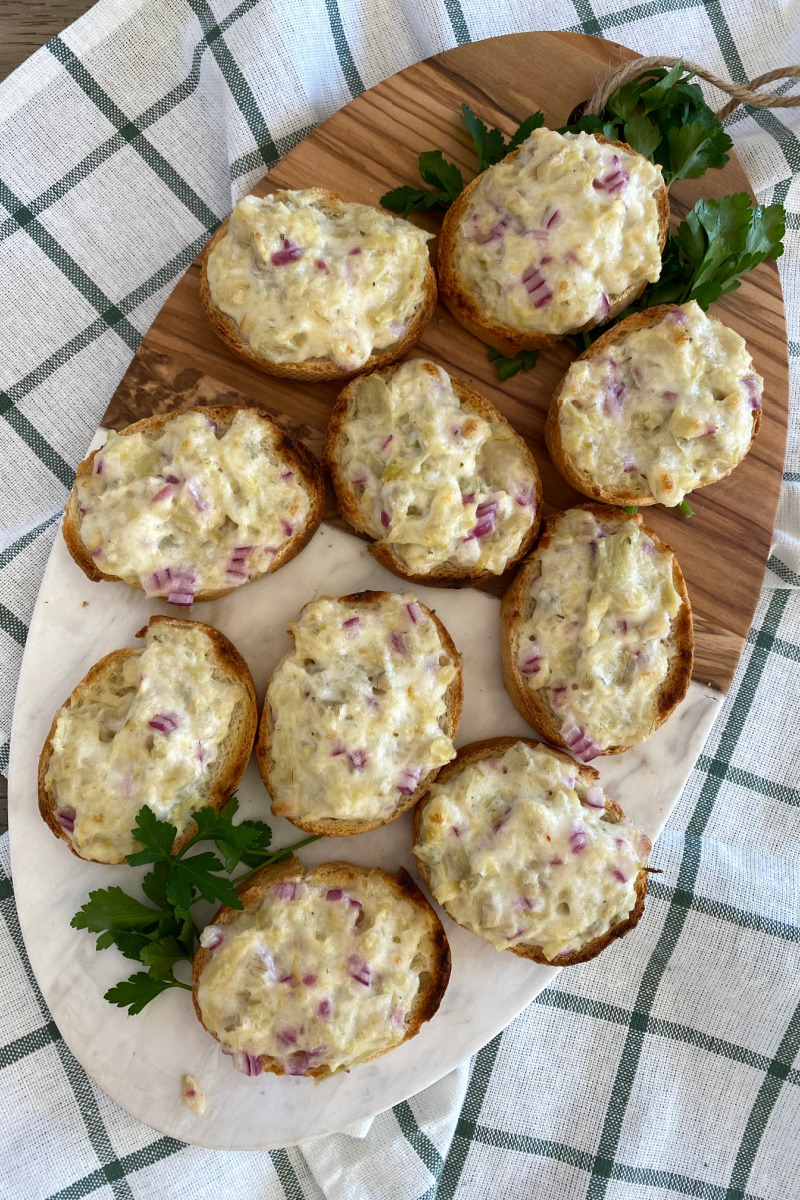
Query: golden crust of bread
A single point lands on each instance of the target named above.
(342, 874)
(516, 607)
(566, 465)
(464, 305)
(350, 508)
(295, 454)
(333, 827)
(313, 369)
(230, 764)
(494, 747)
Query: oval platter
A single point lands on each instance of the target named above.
(363, 150)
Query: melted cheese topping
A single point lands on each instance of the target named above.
(314, 975)
(358, 709)
(307, 277)
(597, 639)
(147, 735)
(663, 410)
(551, 235)
(442, 485)
(517, 855)
(193, 507)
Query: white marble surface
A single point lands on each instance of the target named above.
(139, 1060)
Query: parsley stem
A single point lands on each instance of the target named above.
(187, 987)
(685, 509)
(287, 850)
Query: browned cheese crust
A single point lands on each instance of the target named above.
(230, 765)
(342, 874)
(352, 512)
(334, 827)
(313, 369)
(568, 467)
(516, 607)
(464, 305)
(494, 747)
(294, 453)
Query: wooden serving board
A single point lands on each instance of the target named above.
(372, 145)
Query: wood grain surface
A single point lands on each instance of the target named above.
(25, 25)
(371, 145)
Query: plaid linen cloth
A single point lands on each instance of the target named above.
(666, 1069)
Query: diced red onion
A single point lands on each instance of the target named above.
(398, 1016)
(351, 623)
(615, 871)
(556, 862)
(495, 232)
(628, 464)
(486, 507)
(286, 891)
(200, 502)
(211, 937)
(66, 819)
(676, 317)
(290, 253)
(622, 626)
(324, 1008)
(238, 559)
(514, 936)
(370, 701)
(409, 780)
(286, 1037)
(470, 499)
(286, 475)
(432, 663)
(358, 759)
(351, 900)
(99, 466)
(358, 969)
(672, 396)
(614, 398)
(415, 612)
(164, 493)
(751, 386)
(334, 894)
(398, 643)
(579, 742)
(297, 1063)
(287, 527)
(456, 830)
(164, 722)
(556, 215)
(337, 750)
(248, 1064)
(321, 264)
(525, 495)
(648, 547)
(536, 287)
(98, 553)
(182, 584)
(172, 479)
(709, 431)
(286, 978)
(578, 841)
(388, 441)
(595, 797)
(485, 526)
(386, 520)
(604, 305)
(539, 235)
(355, 250)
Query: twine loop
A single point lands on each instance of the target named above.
(740, 93)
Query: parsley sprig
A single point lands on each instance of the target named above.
(435, 170)
(161, 936)
(663, 116)
(507, 367)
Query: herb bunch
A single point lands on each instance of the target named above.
(663, 116)
(160, 937)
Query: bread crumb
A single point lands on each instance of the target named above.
(192, 1094)
(85, 604)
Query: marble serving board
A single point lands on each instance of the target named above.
(139, 1061)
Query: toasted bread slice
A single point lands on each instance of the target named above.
(294, 453)
(343, 827)
(567, 464)
(353, 512)
(464, 305)
(431, 962)
(312, 369)
(224, 773)
(517, 607)
(585, 777)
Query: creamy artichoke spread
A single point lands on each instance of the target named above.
(596, 642)
(663, 410)
(306, 277)
(519, 852)
(550, 236)
(358, 709)
(441, 484)
(314, 975)
(146, 734)
(192, 507)
(193, 1095)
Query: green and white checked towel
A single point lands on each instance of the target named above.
(668, 1069)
